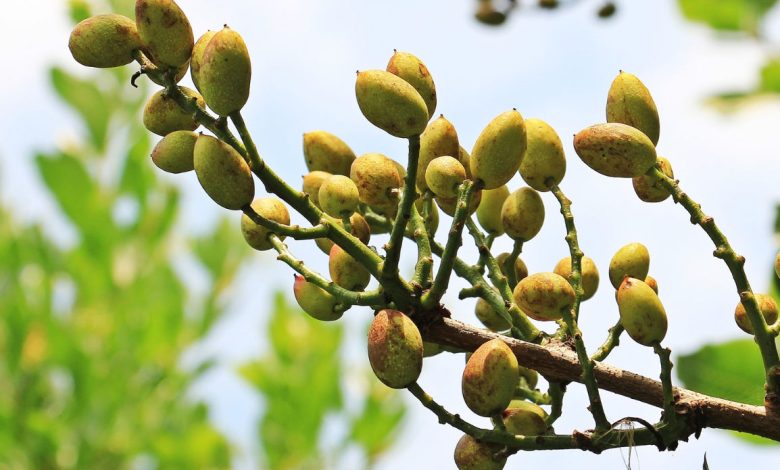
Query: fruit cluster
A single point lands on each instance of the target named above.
(346, 198)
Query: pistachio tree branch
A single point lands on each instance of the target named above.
(373, 298)
(736, 265)
(570, 315)
(612, 341)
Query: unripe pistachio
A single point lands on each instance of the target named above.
(522, 214)
(521, 271)
(391, 103)
(376, 178)
(325, 151)
(225, 72)
(615, 149)
(338, 196)
(524, 418)
(395, 349)
(312, 182)
(471, 454)
(648, 188)
(439, 139)
(544, 296)
(359, 228)
(162, 115)
(632, 260)
(196, 63)
(650, 281)
(444, 175)
(315, 301)
(431, 349)
(448, 205)
(590, 274)
(766, 305)
(401, 172)
(499, 149)
(489, 317)
(490, 378)
(487, 14)
(165, 32)
(489, 210)
(223, 173)
(411, 69)
(641, 312)
(544, 161)
(175, 152)
(465, 159)
(346, 271)
(104, 41)
(256, 235)
(629, 102)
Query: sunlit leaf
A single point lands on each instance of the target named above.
(727, 15)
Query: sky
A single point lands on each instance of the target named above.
(556, 67)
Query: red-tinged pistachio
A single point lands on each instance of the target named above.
(104, 41)
(395, 349)
(490, 378)
(256, 235)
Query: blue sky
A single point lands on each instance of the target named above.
(556, 67)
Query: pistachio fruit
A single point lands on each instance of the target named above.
(326, 152)
(104, 41)
(641, 312)
(522, 214)
(315, 301)
(175, 152)
(448, 205)
(544, 162)
(338, 196)
(615, 149)
(390, 103)
(439, 139)
(524, 418)
(395, 349)
(165, 32)
(521, 271)
(489, 210)
(225, 72)
(376, 178)
(411, 69)
(471, 454)
(499, 150)
(346, 271)
(590, 274)
(490, 378)
(358, 227)
(223, 173)
(444, 175)
(648, 188)
(489, 317)
(312, 182)
(162, 115)
(256, 235)
(632, 260)
(766, 305)
(629, 102)
(650, 281)
(544, 296)
(196, 62)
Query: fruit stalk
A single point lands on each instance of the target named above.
(424, 267)
(509, 263)
(669, 415)
(570, 316)
(612, 341)
(556, 391)
(736, 265)
(293, 231)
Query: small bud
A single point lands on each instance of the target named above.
(499, 149)
(544, 296)
(175, 152)
(490, 378)
(257, 235)
(641, 312)
(395, 349)
(615, 149)
(391, 103)
(104, 41)
(223, 173)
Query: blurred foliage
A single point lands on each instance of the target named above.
(497, 12)
(307, 422)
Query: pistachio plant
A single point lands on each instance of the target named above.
(347, 198)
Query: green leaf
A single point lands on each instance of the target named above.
(727, 15)
(770, 76)
(88, 100)
(221, 251)
(79, 10)
(731, 370)
(137, 175)
(378, 424)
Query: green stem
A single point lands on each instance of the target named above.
(570, 315)
(669, 415)
(533, 395)
(509, 263)
(440, 283)
(612, 341)
(424, 267)
(736, 265)
(293, 231)
(556, 391)
(373, 298)
(393, 246)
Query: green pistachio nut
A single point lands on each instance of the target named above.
(615, 149)
(162, 115)
(315, 301)
(223, 173)
(641, 312)
(376, 178)
(489, 317)
(104, 41)
(165, 32)
(411, 69)
(431, 349)
(358, 227)
(465, 160)
(312, 182)
(395, 349)
(522, 214)
(439, 139)
(632, 260)
(499, 150)
(650, 281)
(590, 274)
(346, 271)
(767, 306)
(524, 418)
(448, 204)
(444, 175)
(489, 210)
(225, 72)
(629, 102)
(648, 188)
(256, 235)
(521, 270)
(196, 62)
(338, 196)
(544, 296)
(544, 162)
(471, 454)
(390, 103)
(326, 152)
(490, 378)
(175, 152)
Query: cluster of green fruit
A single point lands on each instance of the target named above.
(371, 193)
